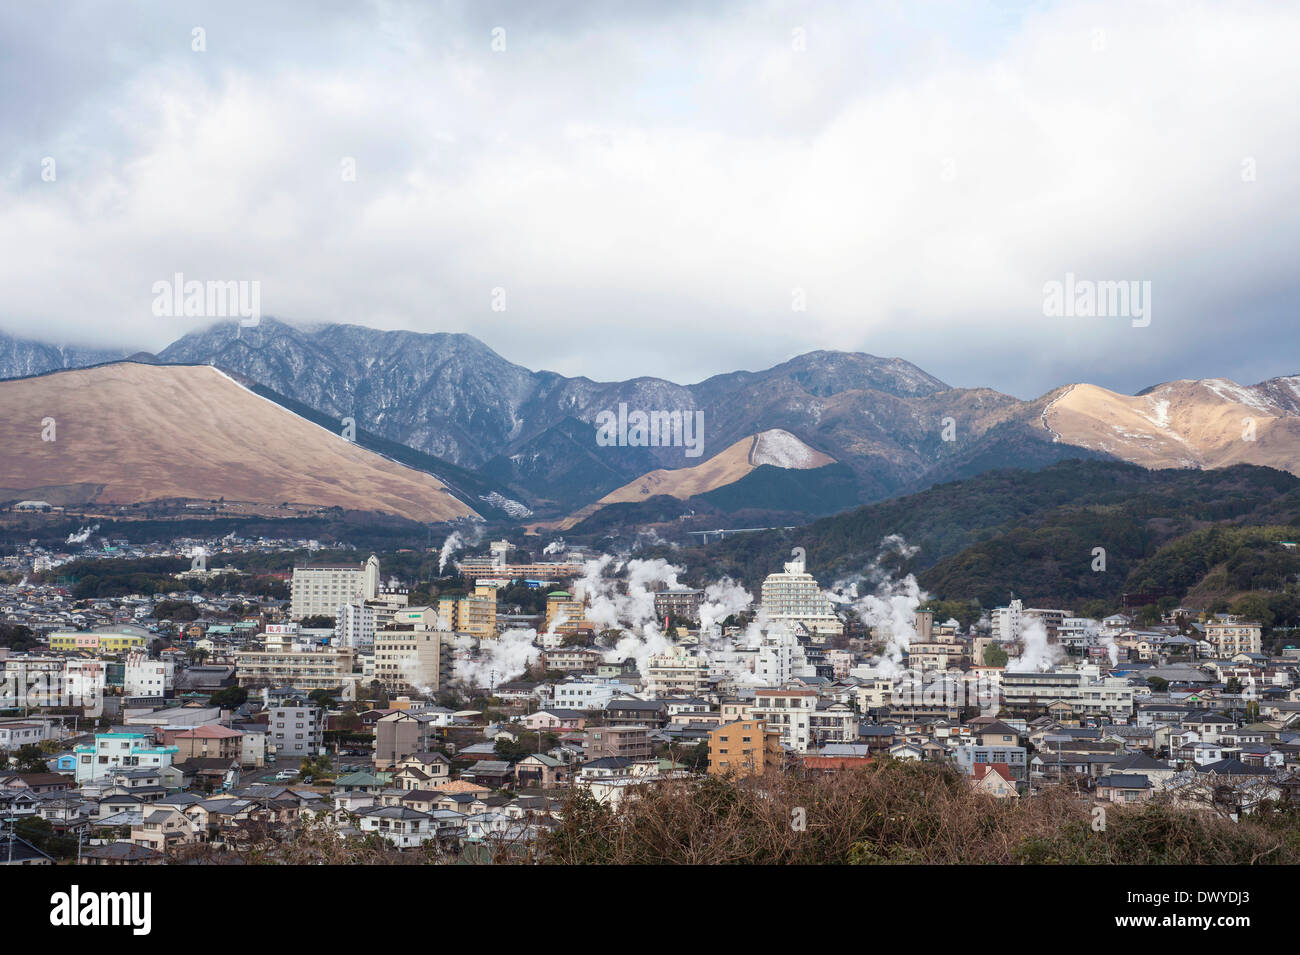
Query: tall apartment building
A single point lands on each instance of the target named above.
(780, 658)
(676, 673)
(1009, 621)
(744, 748)
(413, 659)
(145, 677)
(680, 602)
(831, 722)
(400, 735)
(564, 612)
(627, 742)
(354, 626)
(794, 597)
(296, 728)
(475, 614)
(1231, 635)
(84, 682)
(790, 712)
(320, 589)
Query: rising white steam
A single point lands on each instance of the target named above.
(889, 609)
(453, 543)
(497, 661)
(82, 535)
(1037, 655)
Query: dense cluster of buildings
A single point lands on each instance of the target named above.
(147, 745)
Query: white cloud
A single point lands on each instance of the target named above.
(670, 176)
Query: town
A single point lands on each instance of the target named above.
(332, 712)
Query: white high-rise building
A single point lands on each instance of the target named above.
(320, 589)
(794, 597)
(676, 673)
(780, 659)
(1007, 621)
(354, 626)
(145, 677)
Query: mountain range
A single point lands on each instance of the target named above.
(515, 443)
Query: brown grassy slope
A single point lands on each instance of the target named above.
(1180, 424)
(146, 432)
(725, 467)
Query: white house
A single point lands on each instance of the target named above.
(404, 828)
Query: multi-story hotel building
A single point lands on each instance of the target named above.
(790, 712)
(794, 597)
(676, 673)
(411, 658)
(495, 565)
(680, 602)
(320, 589)
(304, 666)
(564, 612)
(1231, 635)
(475, 614)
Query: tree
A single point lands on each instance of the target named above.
(317, 767)
(1093, 609)
(323, 699)
(182, 611)
(30, 759)
(40, 833)
(509, 750)
(1149, 615)
(697, 760)
(995, 656)
(1254, 607)
(17, 637)
(229, 698)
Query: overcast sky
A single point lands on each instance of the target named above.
(650, 183)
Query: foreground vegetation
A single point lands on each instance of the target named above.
(900, 812)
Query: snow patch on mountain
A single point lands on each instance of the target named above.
(1160, 412)
(783, 450)
(1231, 391)
(513, 508)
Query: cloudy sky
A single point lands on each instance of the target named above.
(659, 186)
